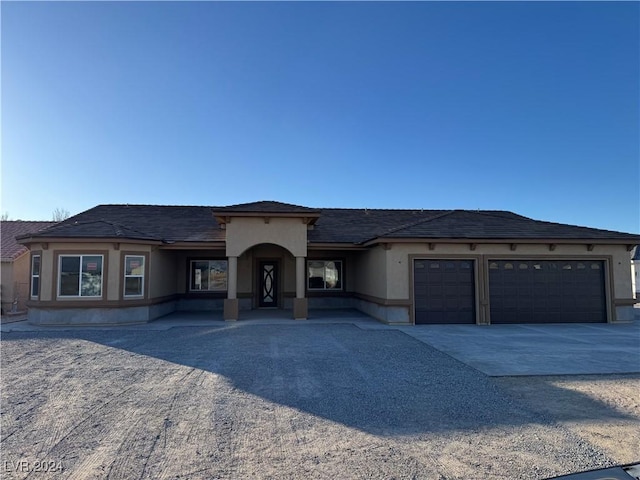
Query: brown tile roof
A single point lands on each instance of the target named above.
(467, 224)
(141, 222)
(335, 225)
(344, 225)
(266, 207)
(10, 229)
(360, 226)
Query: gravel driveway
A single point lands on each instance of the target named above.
(293, 401)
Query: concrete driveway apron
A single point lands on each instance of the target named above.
(558, 349)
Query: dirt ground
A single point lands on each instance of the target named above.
(575, 401)
(305, 401)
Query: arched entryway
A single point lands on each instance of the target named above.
(272, 278)
(261, 235)
(267, 276)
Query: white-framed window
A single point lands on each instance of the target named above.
(133, 275)
(80, 275)
(35, 276)
(208, 275)
(324, 274)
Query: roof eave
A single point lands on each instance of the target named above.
(185, 245)
(223, 217)
(629, 242)
(334, 246)
(30, 239)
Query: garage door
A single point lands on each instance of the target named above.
(546, 291)
(444, 291)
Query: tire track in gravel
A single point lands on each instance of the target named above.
(279, 390)
(107, 436)
(191, 436)
(94, 415)
(38, 355)
(142, 434)
(51, 377)
(57, 414)
(169, 439)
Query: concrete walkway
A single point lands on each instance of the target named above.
(495, 350)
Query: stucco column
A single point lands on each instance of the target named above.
(300, 277)
(300, 302)
(232, 278)
(231, 302)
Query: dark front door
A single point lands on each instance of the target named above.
(268, 285)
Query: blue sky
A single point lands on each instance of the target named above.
(528, 107)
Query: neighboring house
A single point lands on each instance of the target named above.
(133, 263)
(15, 267)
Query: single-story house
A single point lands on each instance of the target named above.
(134, 263)
(15, 264)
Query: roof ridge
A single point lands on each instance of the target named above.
(121, 225)
(115, 225)
(518, 217)
(28, 221)
(150, 205)
(496, 213)
(411, 224)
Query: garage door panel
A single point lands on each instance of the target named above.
(546, 291)
(444, 291)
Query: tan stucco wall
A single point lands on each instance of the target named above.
(370, 272)
(623, 281)
(49, 284)
(21, 278)
(243, 233)
(163, 273)
(6, 280)
(113, 265)
(397, 260)
(16, 280)
(245, 273)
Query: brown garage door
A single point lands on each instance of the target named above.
(522, 291)
(444, 291)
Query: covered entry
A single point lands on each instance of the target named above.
(547, 291)
(444, 291)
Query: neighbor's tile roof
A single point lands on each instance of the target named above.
(335, 225)
(10, 229)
